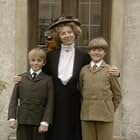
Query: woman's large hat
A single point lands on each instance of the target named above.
(62, 19)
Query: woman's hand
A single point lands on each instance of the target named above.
(17, 78)
(114, 71)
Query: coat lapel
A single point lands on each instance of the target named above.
(29, 76)
(76, 60)
(102, 66)
(56, 61)
(40, 76)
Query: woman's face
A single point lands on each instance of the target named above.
(66, 35)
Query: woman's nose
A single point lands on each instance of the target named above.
(67, 34)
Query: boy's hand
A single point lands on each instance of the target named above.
(114, 71)
(17, 78)
(43, 129)
(13, 124)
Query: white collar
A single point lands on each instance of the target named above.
(92, 63)
(37, 72)
(67, 48)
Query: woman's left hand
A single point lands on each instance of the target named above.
(114, 71)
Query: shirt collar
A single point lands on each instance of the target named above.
(97, 64)
(67, 47)
(37, 72)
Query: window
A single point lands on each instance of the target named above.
(94, 16)
(48, 10)
(90, 15)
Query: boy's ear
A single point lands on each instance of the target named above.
(44, 63)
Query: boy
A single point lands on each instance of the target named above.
(32, 100)
(101, 94)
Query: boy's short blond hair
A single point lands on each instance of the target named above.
(37, 52)
(98, 42)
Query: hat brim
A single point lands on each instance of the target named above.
(64, 20)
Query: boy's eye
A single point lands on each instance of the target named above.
(33, 60)
(39, 60)
(100, 49)
(97, 49)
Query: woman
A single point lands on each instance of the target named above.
(64, 64)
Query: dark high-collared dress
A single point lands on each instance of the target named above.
(66, 121)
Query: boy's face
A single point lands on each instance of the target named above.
(36, 63)
(97, 54)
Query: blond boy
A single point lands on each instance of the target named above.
(31, 104)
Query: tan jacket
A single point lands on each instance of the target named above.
(101, 93)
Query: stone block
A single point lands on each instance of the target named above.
(119, 138)
(12, 136)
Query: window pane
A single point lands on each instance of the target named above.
(48, 10)
(90, 16)
(85, 35)
(84, 13)
(96, 14)
(97, 1)
(95, 31)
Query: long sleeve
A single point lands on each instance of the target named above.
(48, 114)
(115, 86)
(13, 103)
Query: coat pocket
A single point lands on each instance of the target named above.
(110, 106)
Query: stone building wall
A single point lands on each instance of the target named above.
(131, 71)
(7, 60)
(125, 52)
(13, 50)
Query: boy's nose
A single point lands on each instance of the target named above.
(36, 62)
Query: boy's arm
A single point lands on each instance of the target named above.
(48, 114)
(13, 103)
(13, 107)
(116, 90)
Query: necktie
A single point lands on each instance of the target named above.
(34, 75)
(94, 67)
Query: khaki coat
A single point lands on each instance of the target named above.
(101, 93)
